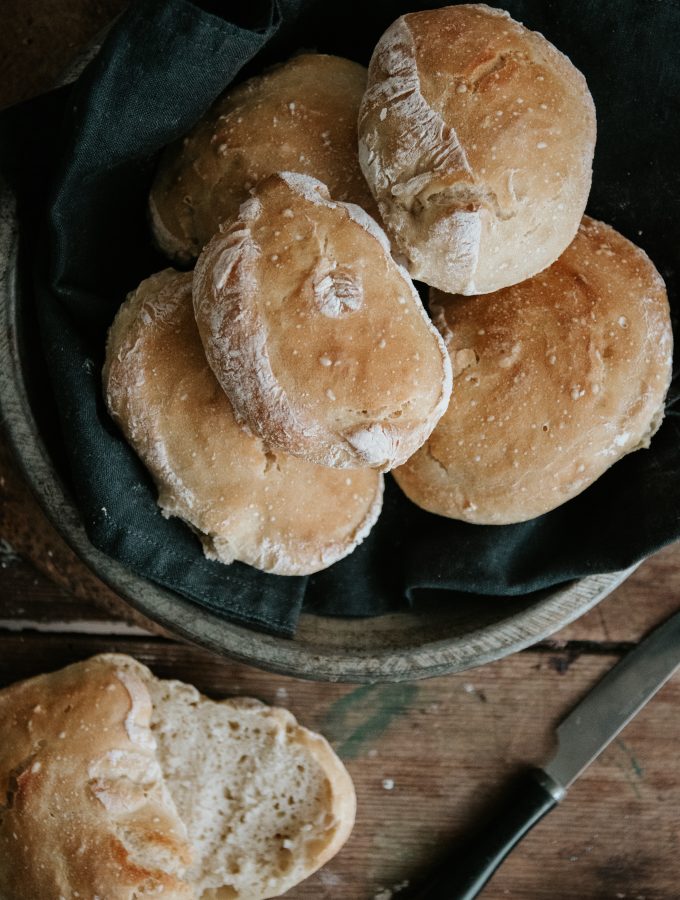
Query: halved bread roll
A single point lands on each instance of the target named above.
(317, 336)
(246, 502)
(265, 802)
(122, 786)
(556, 379)
(86, 809)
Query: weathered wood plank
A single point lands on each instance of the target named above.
(447, 744)
(428, 757)
(29, 600)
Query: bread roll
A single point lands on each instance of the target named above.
(98, 759)
(275, 512)
(300, 116)
(265, 801)
(556, 379)
(88, 812)
(476, 137)
(317, 336)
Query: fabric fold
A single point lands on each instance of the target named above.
(162, 65)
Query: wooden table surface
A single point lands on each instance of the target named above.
(426, 757)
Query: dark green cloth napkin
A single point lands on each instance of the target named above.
(159, 70)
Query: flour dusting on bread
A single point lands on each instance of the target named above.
(425, 160)
(308, 278)
(557, 378)
(228, 799)
(476, 137)
(244, 500)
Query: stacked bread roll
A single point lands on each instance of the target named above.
(268, 390)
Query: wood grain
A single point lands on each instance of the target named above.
(26, 534)
(648, 597)
(429, 758)
(447, 744)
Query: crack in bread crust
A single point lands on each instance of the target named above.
(427, 160)
(244, 501)
(262, 310)
(476, 137)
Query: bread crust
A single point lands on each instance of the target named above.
(476, 137)
(299, 116)
(84, 811)
(275, 512)
(88, 762)
(316, 335)
(556, 379)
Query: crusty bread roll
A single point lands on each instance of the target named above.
(275, 512)
(556, 379)
(476, 137)
(87, 812)
(98, 760)
(316, 335)
(300, 116)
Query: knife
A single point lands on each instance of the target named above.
(581, 737)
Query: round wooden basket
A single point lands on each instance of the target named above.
(397, 647)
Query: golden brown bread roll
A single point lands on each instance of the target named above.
(556, 379)
(89, 813)
(476, 137)
(317, 336)
(122, 786)
(300, 116)
(275, 512)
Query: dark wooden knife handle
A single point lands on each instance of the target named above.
(470, 866)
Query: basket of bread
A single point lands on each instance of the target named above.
(329, 273)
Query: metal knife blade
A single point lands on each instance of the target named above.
(613, 702)
(582, 735)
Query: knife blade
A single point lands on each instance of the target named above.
(582, 735)
(614, 701)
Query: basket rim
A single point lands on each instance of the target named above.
(289, 656)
